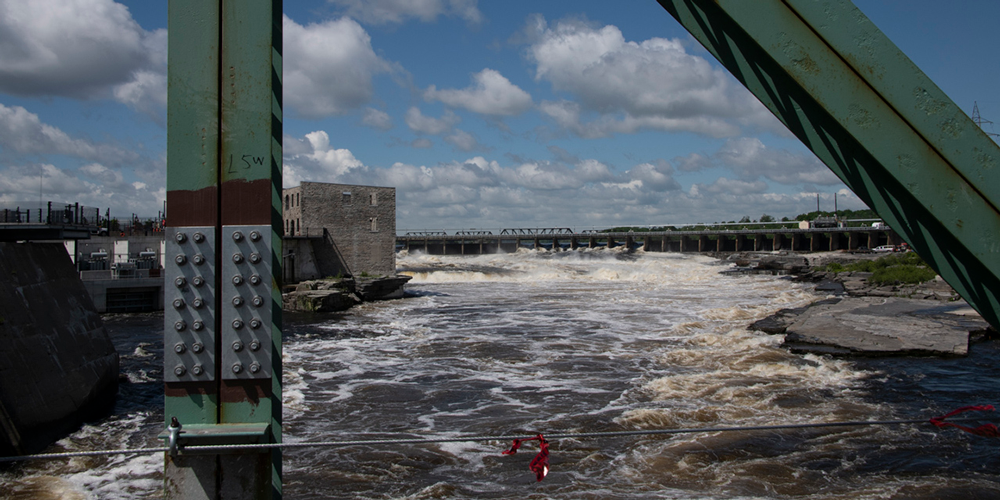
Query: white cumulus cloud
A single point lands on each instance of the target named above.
(328, 67)
(377, 119)
(751, 159)
(399, 11)
(318, 161)
(428, 125)
(631, 86)
(492, 94)
(83, 49)
(23, 133)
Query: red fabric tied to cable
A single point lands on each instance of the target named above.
(540, 464)
(987, 430)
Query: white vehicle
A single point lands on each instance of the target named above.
(884, 248)
(879, 225)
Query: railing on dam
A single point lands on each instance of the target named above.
(716, 240)
(48, 221)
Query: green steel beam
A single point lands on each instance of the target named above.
(192, 157)
(875, 120)
(251, 193)
(223, 196)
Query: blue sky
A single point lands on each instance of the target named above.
(482, 114)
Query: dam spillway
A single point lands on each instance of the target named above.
(734, 240)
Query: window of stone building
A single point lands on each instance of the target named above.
(374, 221)
(286, 202)
(298, 201)
(298, 224)
(373, 199)
(346, 197)
(286, 220)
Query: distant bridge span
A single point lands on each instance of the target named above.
(734, 240)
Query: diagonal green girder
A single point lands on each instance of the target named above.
(877, 121)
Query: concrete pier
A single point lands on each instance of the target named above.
(58, 367)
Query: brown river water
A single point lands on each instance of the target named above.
(589, 341)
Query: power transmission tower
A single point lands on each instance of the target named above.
(980, 121)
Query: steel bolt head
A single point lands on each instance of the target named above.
(237, 367)
(237, 301)
(237, 236)
(255, 279)
(197, 370)
(254, 235)
(180, 326)
(180, 237)
(255, 324)
(198, 237)
(180, 370)
(198, 281)
(198, 259)
(179, 348)
(238, 258)
(254, 367)
(178, 303)
(254, 345)
(180, 259)
(237, 324)
(198, 303)
(255, 258)
(197, 347)
(180, 281)
(237, 346)
(257, 300)
(238, 280)
(197, 326)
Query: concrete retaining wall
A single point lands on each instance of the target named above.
(57, 365)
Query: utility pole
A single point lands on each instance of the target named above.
(222, 320)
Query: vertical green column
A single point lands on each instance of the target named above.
(222, 335)
(251, 201)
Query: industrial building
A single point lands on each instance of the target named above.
(338, 230)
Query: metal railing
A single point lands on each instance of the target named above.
(50, 213)
(120, 274)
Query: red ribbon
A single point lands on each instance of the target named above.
(986, 430)
(540, 464)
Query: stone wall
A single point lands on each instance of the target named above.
(360, 220)
(57, 365)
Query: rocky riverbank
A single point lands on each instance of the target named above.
(859, 318)
(340, 294)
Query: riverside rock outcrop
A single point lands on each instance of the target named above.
(859, 318)
(340, 294)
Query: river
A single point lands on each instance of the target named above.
(587, 341)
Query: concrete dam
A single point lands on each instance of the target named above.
(734, 240)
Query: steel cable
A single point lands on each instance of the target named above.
(367, 442)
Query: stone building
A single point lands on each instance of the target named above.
(339, 229)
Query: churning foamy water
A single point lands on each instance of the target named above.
(568, 342)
